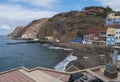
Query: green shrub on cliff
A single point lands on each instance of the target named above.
(93, 7)
(105, 12)
(50, 19)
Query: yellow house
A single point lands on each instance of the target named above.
(49, 38)
(113, 16)
(111, 31)
(110, 40)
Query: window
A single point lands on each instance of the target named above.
(103, 34)
(108, 38)
(109, 20)
(112, 38)
(116, 37)
(110, 35)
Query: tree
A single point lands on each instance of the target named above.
(106, 11)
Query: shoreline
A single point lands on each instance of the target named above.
(91, 52)
(62, 66)
(89, 56)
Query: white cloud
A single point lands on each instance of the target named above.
(15, 15)
(17, 12)
(5, 27)
(115, 4)
(42, 3)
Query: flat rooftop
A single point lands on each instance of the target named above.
(15, 76)
(34, 75)
(39, 74)
(100, 72)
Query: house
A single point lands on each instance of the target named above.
(110, 40)
(110, 36)
(117, 36)
(87, 39)
(77, 39)
(113, 18)
(49, 38)
(96, 36)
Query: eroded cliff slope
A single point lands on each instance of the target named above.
(65, 26)
(30, 31)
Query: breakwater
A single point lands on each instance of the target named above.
(29, 41)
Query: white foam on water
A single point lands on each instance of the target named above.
(45, 45)
(60, 48)
(36, 39)
(63, 64)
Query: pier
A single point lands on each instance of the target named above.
(28, 41)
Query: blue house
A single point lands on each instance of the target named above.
(110, 40)
(113, 18)
(111, 21)
(78, 39)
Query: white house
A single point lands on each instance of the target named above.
(117, 36)
(87, 39)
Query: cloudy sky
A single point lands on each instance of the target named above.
(20, 12)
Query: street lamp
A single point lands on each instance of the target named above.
(101, 58)
(111, 68)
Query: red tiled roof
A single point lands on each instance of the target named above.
(98, 30)
(14, 76)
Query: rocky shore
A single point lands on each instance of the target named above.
(88, 55)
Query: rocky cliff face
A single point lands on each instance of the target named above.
(65, 26)
(17, 32)
(30, 31)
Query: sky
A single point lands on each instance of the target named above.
(15, 13)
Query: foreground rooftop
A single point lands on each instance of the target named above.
(39, 74)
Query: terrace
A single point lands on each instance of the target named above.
(39, 74)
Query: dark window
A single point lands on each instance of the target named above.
(109, 20)
(110, 35)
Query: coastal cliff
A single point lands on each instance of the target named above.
(67, 26)
(17, 32)
(30, 31)
(64, 26)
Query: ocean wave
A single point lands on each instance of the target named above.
(63, 64)
(45, 45)
(60, 48)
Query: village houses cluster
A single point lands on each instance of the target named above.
(109, 35)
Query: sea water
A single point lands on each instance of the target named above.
(28, 55)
